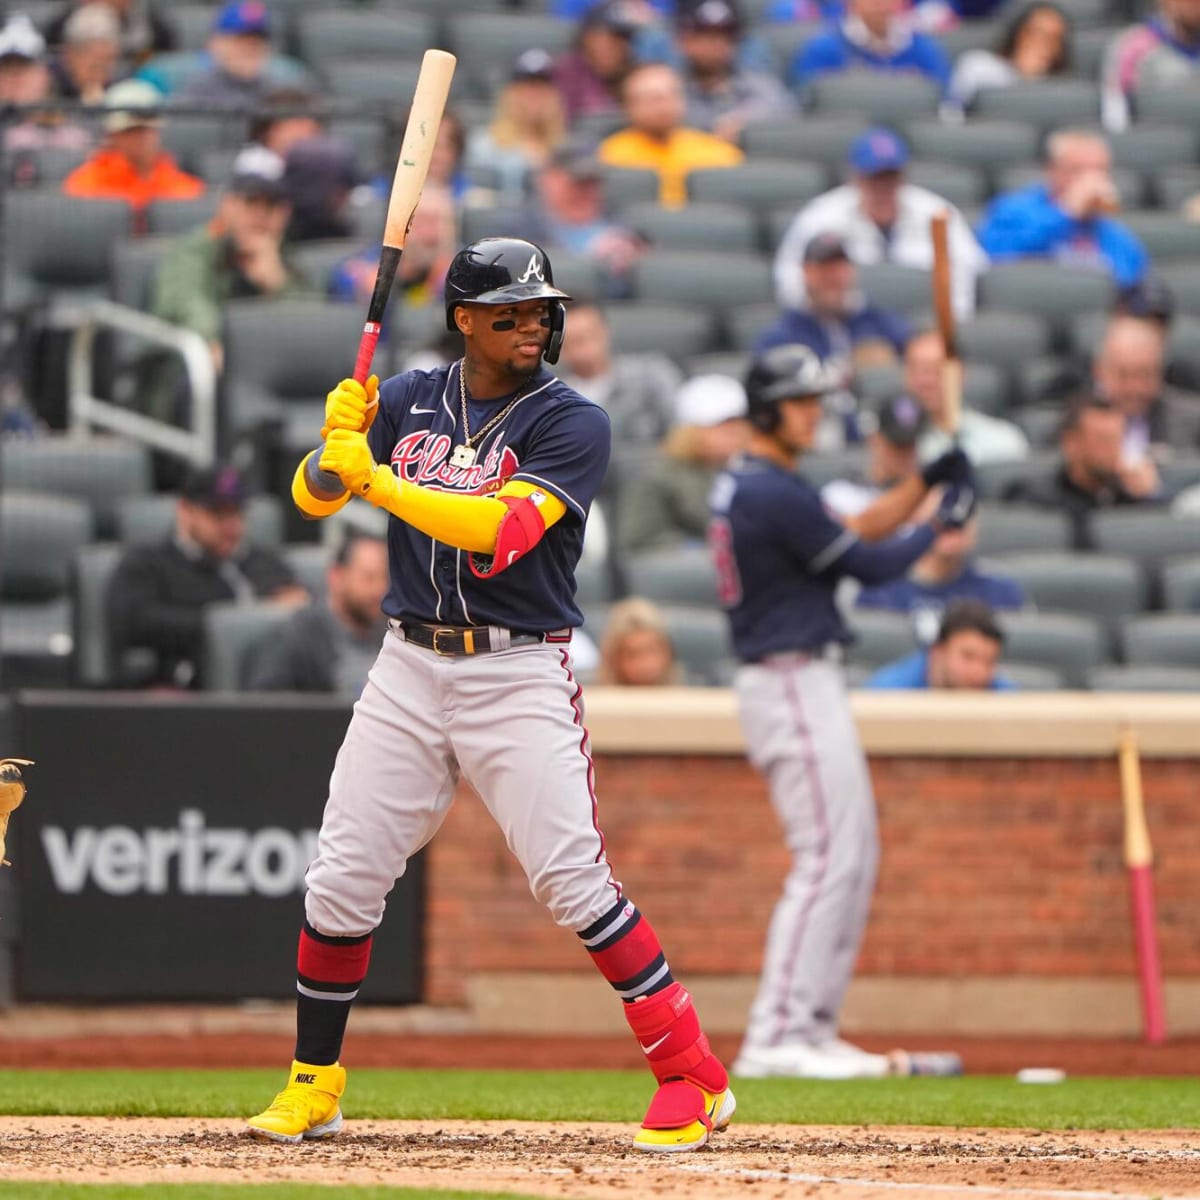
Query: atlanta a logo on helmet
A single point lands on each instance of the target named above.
(535, 270)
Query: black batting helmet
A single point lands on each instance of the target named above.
(784, 373)
(505, 270)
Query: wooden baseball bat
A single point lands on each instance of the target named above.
(429, 102)
(943, 307)
(1139, 859)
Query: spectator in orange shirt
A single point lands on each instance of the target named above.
(131, 164)
(657, 138)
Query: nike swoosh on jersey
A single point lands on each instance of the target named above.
(654, 1045)
(421, 412)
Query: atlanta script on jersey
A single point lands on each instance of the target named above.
(553, 437)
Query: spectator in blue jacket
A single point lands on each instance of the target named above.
(874, 35)
(964, 655)
(1068, 217)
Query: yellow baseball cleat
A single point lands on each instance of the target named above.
(307, 1108)
(716, 1113)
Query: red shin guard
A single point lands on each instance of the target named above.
(667, 1027)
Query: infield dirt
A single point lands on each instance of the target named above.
(595, 1162)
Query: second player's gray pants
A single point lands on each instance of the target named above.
(801, 735)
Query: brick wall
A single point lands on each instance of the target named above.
(991, 867)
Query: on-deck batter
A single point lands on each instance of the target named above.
(779, 556)
(488, 469)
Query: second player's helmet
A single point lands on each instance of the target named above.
(505, 270)
(784, 373)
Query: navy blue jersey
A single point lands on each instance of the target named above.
(779, 556)
(553, 438)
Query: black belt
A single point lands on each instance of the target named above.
(451, 640)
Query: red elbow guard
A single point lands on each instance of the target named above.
(521, 528)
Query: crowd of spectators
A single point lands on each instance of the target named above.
(670, 87)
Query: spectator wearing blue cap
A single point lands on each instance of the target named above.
(881, 218)
(238, 67)
(874, 35)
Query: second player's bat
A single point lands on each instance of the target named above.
(1139, 858)
(943, 307)
(429, 102)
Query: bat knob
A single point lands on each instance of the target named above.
(324, 485)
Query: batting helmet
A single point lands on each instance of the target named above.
(505, 270)
(783, 373)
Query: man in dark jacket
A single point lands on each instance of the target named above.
(159, 592)
(329, 645)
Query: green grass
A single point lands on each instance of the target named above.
(1172, 1103)
(229, 1191)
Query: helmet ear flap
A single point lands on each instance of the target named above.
(558, 329)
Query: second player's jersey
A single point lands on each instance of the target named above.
(553, 438)
(776, 550)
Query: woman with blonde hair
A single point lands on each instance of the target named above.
(529, 124)
(636, 650)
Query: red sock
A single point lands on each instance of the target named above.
(667, 1027)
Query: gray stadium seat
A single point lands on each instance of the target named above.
(1162, 639)
(188, 138)
(1070, 644)
(1097, 585)
(995, 479)
(1151, 678)
(903, 289)
(230, 631)
(193, 23)
(379, 81)
(1149, 535)
(309, 563)
(1032, 677)
(817, 137)
(820, 469)
(629, 185)
(713, 279)
(702, 646)
(316, 260)
(746, 323)
(1179, 474)
(1088, 47)
(960, 184)
(134, 268)
(971, 35)
(59, 243)
(100, 471)
(699, 226)
(676, 330)
(987, 145)
(1045, 379)
(1167, 236)
(682, 575)
(1002, 337)
(882, 96)
(1044, 289)
(281, 355)
(719, 362)
(1183, 278)
(1007, 528)
(93, 569)
(498, 221)
(375, 141)
(581, 277)
(54, 164)
(181, 216)
(1181, 584)
(593, 582)
(363, 35)
(488, 43)
(1090, 12)
(1044, 103)
(1153, 147)
(143, 519)
(1177, 103)
(879, 637)
(1174, 186)
(1041, 423)
(761, 183)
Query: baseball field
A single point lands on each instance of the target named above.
(107, 1133)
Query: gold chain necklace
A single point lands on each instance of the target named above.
(463, 455)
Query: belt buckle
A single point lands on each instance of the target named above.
(437, 633)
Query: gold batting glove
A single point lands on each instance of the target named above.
(349, 457)
(351, 405)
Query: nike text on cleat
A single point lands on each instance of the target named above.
(309, 1107)
(716, 1113)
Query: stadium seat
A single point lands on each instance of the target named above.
(181, 216)
(1177, 103)
(134, 266)
(488, 43)
(745, 325)
(1008, 528)
(1167, 236)
(1116, 678)
(1181, 584)
(785, 38)
(1047, 379)
(699, 226)
(713, 279)
(100, 471)
(1041, 423)
(1032, 677)
(1150, 535)
(881, 96)
(580, 277)
(759, 183)
(989, 146)
(375, 140)
(1162, 639)
(281, 356)
(192, 23)
(879, 637)
(593, 581)
(1089, 12)
(59, 243)
(1183, 278)
(677, 330)
(903, 289)
(92, 571)
(309, 563)
(996, 478)
(828, 465)
(382, 82)
(189, 137)
(734, 363)
(1045, 289)
(817, 137)
(1152, 147)
(1002, 337)
(629, 185)
(1179, 474)
(681, 575)
(960, 184)
(1088, 47)
(476, 223)
(1068, 643)
(143, 519)
(317, 260)
(984, 34)
(702, 646)
(230, 632)
(1045, 104)
(54, 163)
(363, 35)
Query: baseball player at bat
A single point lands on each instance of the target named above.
(779, 558)
(486, 469)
